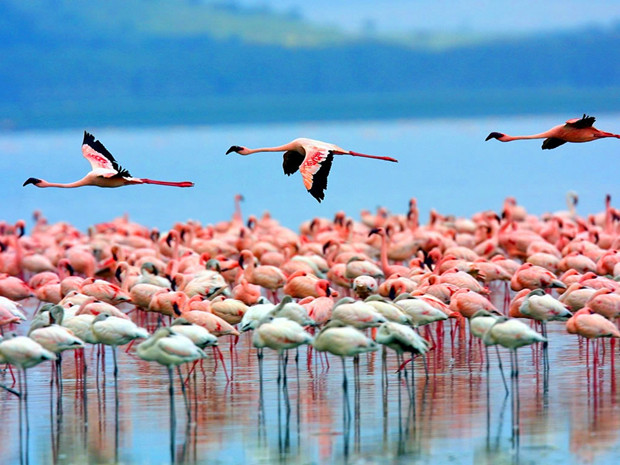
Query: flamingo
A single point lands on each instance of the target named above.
(106, 172)
(199, 335)
(387, 309)
(402, 338)
(480, 323)
(280, 334)
(585, 322)
(357, 313)
(24, 353)
(574, 130)
(312, 158)
(57, 339)
(342, 340)
(543, 307)
(512, 334)
(170, 349)
(113, 331)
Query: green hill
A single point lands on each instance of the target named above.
(76, 63)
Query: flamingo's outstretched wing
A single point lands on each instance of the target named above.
(100, 159)
(552, 142)
(292, 161)
(314, 171)
(581, 123)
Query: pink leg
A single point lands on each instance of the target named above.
(221, 356)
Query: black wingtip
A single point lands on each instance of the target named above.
(34, 181)
(233, 148)
(494, 135)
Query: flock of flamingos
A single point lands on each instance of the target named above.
(339, 285)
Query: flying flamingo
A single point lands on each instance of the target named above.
(574, 130)
(312, 158)
(106, 172)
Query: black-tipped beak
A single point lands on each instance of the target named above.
(373, 231)
(34, 181)
(175, 307)
(241, 262)
(326, 246)
(328, 291)
(117, 274)
(494, 135)
(392, 293)
(234, 148)
(168, 239)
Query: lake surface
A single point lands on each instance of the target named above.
(459, 415)
(445, 163)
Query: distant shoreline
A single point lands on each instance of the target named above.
(299, 108)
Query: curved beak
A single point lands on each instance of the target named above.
(175, 307)
(233, 148)
(494, 135)
(117, 274)
(34, 181)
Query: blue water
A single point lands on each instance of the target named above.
(445, 163)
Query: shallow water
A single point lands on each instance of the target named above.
(571, 416)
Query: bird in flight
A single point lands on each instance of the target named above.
(106, 172)
(312, 158)
(574, 130)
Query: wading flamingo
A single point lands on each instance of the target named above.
(171, 349)
(512, 334)
(24, 353)
(342, 340)
(401, 338)
(106, 172)
(312, 158)
(279, 334)
(574, 130)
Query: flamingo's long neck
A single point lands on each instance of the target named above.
(542, 135)
(79, 183)
(384, 257)
(281, 148)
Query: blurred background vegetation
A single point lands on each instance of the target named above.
(154, 62)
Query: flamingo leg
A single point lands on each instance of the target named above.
(172, 414)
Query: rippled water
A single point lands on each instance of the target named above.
(459, 415)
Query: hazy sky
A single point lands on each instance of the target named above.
(451, 15)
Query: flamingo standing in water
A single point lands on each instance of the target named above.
(312, 158)
(106, 172)
(24, 353)
(574, 130)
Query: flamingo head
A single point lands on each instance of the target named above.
(495, 135)
(34, 181)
